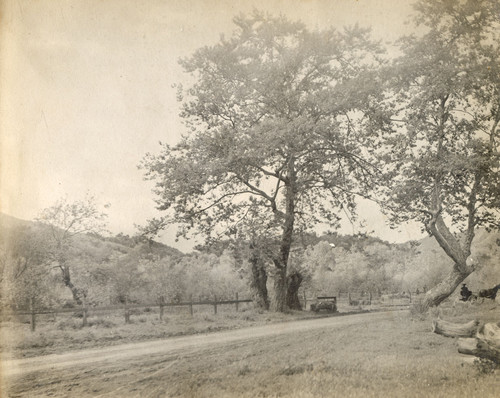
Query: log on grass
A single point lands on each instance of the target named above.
(450, 329)
(490, 334)
(478, 348)
(486, 344)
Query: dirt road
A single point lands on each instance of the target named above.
(127, 352)
(385, 354)
(175, 366)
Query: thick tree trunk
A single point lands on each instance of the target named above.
(292, 296)
(280, 289)
(281, 262)
(457, 251)
(443, 290)
(258, 284)
(449, 329)
(67, 282)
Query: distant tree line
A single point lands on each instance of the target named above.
(105, 272)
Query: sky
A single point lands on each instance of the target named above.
(86, 90)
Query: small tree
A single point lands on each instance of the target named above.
(26, 274)
(321, 259)
(165, 279)
(208, 276)
(64, 222)
(128, 280)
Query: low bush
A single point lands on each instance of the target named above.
(101, 322)
(485, 366)
(69, 323)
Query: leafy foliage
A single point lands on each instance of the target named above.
(26, 273)
(278, 119)
(273, 93)
(446, 137)
(65, 220)
(441, 155)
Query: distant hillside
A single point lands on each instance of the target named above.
(8, 222)
(91, 243)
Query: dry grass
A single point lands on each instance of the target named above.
(66, 332)
(397, 358)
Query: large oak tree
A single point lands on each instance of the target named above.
(442, 155)
(278, 118)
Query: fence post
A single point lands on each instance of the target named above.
(84, 309)
(162, 301)
(33, 314)
(409, 292)
(237, 302)
(191, 304)
(349, 297)
(305, 300)
(215, 305)
(370, 297)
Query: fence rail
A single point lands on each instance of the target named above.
(126, 308)
(366, 298)
(343, 298)
(48, 311)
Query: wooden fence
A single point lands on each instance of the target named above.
(366, 299)
(127, 308)
(359, 299)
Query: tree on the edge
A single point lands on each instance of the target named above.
(443, 159)
(64, 222)
(25, 271)
(275, 128)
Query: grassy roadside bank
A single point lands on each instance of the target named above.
(66, 333)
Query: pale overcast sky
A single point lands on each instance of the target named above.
(86, 91)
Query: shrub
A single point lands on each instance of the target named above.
(485, 366)
(69, 323)
(418, 309)
(103, 323)
(36, 340)
(293, 370)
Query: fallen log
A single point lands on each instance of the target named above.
(486, 344)
(450, 329)
(478, 348)
(490, 334)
